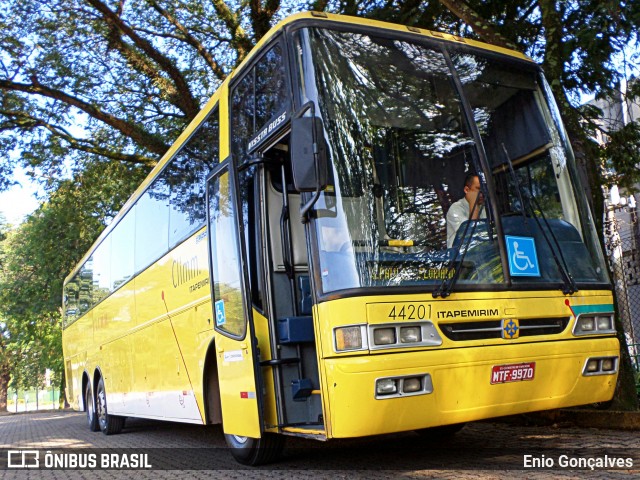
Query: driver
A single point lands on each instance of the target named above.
(461, 210)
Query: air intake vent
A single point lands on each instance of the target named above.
(492, 329)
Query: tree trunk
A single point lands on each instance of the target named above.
(63, 397)
(4, 390)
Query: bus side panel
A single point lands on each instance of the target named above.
(187, 297)
(75, 341)
(115, 365)
(113, 318)
(192, 346)
(161, 386)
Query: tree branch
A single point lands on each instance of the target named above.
(135, 132)
(319, 5)
(478, 24)
(239, 38)
(24, 121)
(191, 40)
(183, 97)
(261, 17)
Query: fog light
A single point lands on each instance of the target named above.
(410, 335)
(411, 385)
(608, 364)
(348, 338)
(386, 386)
(384, 336)
(604, 323)
(592, 365)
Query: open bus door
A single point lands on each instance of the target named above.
(240, 394)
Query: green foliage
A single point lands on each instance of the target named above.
(133, 74)
(621, 155)
(36, 257)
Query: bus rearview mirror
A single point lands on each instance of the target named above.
(308, 154)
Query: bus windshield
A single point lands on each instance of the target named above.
(409, 128)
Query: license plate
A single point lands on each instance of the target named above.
(516, 372)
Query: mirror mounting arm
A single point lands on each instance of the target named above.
(315, 154)
(304, 211)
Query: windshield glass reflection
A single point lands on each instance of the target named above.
(402, 154)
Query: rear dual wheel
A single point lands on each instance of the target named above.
(109, 424)
(90, 408)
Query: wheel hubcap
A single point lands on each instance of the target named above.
(89, 406)
(240, 440)
(100, 407)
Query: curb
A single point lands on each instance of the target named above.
(603, 419)
(56, 410)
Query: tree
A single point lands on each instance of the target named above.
(5, 348)
(36, 257)
(135, 73)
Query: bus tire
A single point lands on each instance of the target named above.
(109, 424)
(444, 432)
(255, 451)
(90, 408)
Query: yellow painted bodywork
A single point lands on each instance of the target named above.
(150, 338)
(461, 385)
(460, 370)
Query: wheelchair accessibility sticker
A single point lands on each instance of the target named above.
(523, 260)
(221, 318)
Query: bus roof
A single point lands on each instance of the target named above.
(316, 18)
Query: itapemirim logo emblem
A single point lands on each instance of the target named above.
(510, 329)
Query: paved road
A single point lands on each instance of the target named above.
(480, 450)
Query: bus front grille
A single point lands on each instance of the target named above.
(493, 328)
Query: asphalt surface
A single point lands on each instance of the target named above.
(491, 450)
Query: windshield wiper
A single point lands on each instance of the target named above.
(568, 284)
(445, 287)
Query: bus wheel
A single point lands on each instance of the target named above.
(109, 424)
(90, 407)
(444, 432)
(255, 451)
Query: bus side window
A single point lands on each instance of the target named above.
(186, 176)
(260, 98)
(225, 261)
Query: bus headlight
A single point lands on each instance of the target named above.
(386, 386)
(410, 335)
(411, 385)
(384, 336)
(608, 364)
(350, 338)
(586, 324)
(592, 366)
(604, 323)
(594, 324)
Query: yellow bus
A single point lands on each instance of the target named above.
(368, 229)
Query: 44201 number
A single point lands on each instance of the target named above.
(409, 311)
